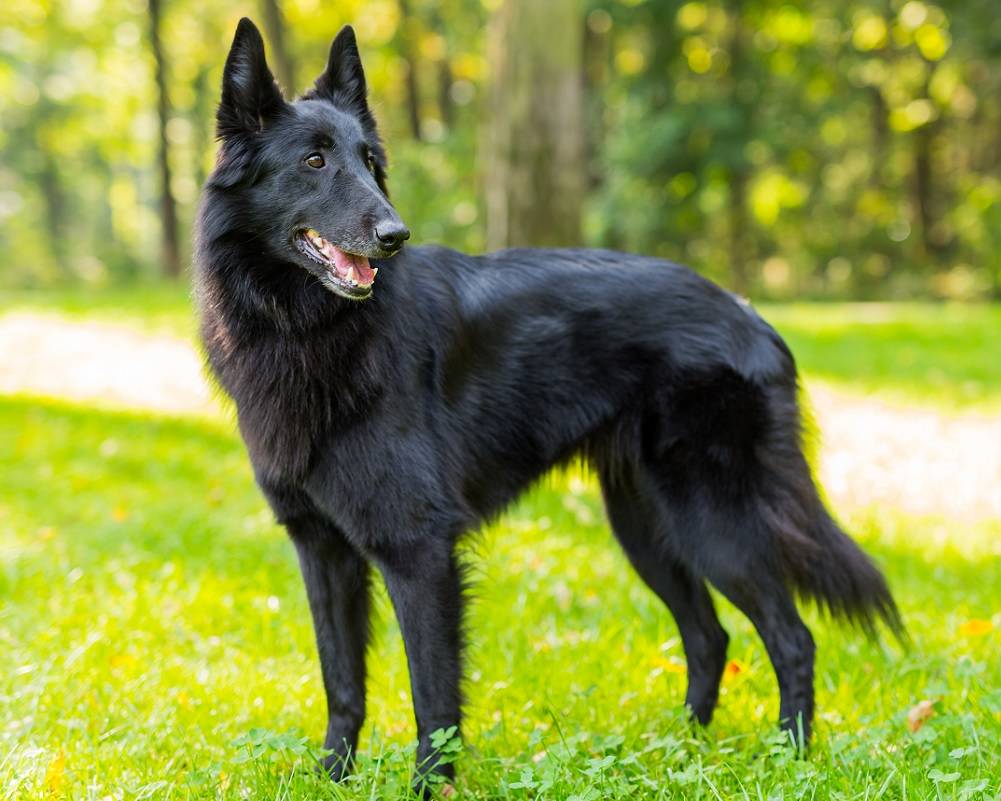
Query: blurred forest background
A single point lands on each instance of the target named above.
(835, 149)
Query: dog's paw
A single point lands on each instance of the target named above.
(337, 767)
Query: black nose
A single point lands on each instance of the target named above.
(392, 234)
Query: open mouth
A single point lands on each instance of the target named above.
(347, 273)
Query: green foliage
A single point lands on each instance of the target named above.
(820, 148)
(78, 181)
(813, 149)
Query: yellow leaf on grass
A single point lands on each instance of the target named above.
(975, 628)
(919, 714)
(55, 776)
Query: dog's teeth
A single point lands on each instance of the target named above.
(352, 276)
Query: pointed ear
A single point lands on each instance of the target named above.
(250, 97)
(343, 80)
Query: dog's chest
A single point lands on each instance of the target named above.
(289, 403)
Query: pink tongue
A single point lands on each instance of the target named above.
(364, 274)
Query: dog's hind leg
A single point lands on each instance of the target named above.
(635, 524)
(337, 586)
(725, 465)
(721, 545)
(769, 605)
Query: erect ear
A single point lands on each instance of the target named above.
(343, 81)
(250, 97)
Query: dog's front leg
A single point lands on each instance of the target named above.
(425, 586)
(338, 590)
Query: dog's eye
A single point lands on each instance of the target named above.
(315, 160)
(370, 162)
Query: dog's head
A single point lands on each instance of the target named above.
(309, 175)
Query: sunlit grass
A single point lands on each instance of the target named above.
(932, 354)
(154, 307)
(151, 616)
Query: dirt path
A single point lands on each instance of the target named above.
(919, 461)
(873, 453)
(42, 354)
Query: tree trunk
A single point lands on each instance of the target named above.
(57, 238)
(880, 134)
(444, 69)
(201, 117)
(445, 91)
(280, 57)
(924, 189)
(996, 140)
(740, 281)
(924, 184)
(535, 175)
(596, 57)
(50, 181)
(408, 51)
(170, 254)
(739, 245)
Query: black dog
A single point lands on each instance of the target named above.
(383, 423)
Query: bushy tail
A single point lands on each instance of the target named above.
(830, 568)
(820, 561)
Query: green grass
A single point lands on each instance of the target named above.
(157, 307)
(155, 638)
(153, 615)
(937, 354)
